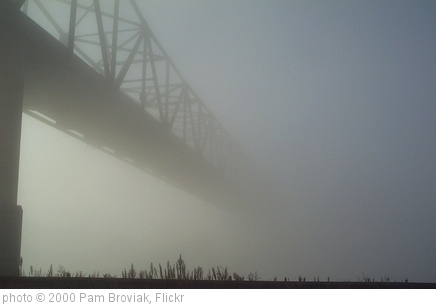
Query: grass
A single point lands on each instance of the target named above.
(173, 271)
(176, 271)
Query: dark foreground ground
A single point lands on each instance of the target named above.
(121, 283)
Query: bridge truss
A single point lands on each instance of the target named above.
(115, 40)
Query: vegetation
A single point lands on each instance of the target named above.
(179, 271)
(176, 271)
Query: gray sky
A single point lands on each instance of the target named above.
(336, 100)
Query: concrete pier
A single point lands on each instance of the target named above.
(11, 103)
(10, 240)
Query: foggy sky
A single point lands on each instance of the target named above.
(334, 100)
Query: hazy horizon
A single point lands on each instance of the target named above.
(334, 101)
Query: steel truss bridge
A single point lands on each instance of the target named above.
(94, 70)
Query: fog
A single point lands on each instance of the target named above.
(333, 102)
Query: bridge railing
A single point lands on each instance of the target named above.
(117, 42)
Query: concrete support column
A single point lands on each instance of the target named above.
(11, 103)
(10, 240)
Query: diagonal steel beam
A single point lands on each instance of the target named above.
(128, 62)
(115, 40)
(154, 75)
(102, 36)
(50, 18)
(72, 28)
(143, 95)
